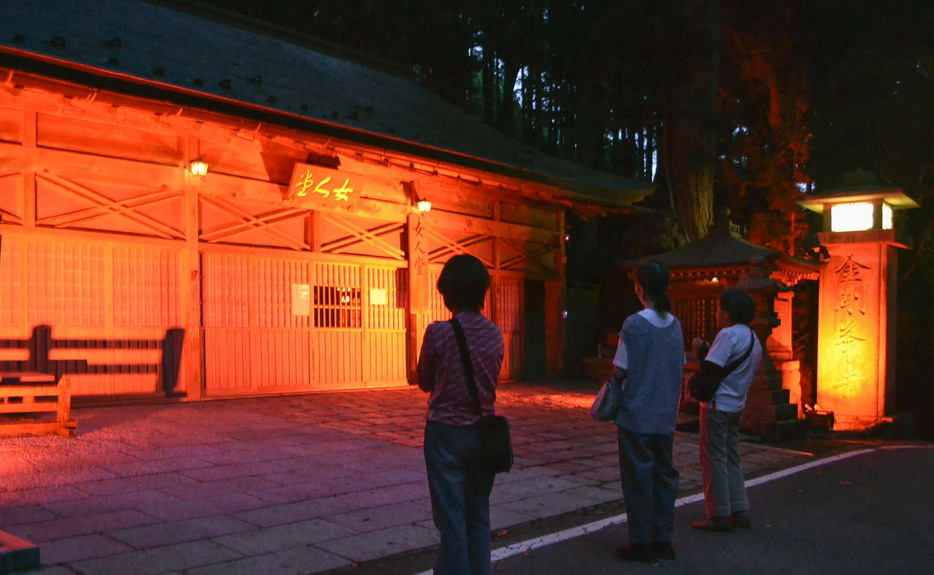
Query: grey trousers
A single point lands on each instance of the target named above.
(650, 485)
(724, 487)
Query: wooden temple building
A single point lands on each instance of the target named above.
(200, 207)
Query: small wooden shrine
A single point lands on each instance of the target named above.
(700, 271)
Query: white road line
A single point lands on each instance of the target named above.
(551, 539)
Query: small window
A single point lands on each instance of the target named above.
(337, 307)
(698, 318)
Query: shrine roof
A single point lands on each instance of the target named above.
(718, 249)
(223, 63)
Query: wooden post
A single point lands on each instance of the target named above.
(29, 174)
(191, 375)
(419, 289)
(64, 401)
(556, 305)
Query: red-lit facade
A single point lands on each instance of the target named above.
(134, 277)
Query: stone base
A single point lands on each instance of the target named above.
(17, 554)
(892, 427)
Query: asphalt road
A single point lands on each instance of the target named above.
(869, 513)
(872, 513)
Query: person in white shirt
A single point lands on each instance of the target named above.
(725, 500)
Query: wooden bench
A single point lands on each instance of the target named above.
(27, 392)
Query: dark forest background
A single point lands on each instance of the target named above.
(744, 104)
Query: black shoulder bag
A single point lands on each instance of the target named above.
(704, 384)
(495, 454)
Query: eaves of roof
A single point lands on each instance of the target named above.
(713, 251)
(131, 46)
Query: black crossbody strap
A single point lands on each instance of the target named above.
(738, 362)
(465, 362)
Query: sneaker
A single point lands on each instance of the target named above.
(664, 550)
(714, 523)
(741, 520)
(643, 553)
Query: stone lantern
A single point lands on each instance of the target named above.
(858, 285)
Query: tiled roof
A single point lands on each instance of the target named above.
(716, 250)
(143, 43)
(721, 247)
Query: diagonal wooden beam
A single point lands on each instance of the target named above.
(104, 205)
(357, 238)
(456, 247)
(264, 222)
(123, 207)
(10, 218)
(525, 254)
(360, 235)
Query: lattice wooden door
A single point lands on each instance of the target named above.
(258, 334)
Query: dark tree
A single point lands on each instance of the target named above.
(762, 126)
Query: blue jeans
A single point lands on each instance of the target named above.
(460, 500)
(650, 485)
(724, 487)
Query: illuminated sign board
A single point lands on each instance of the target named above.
(319, 186)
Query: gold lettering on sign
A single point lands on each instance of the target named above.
(319, 189)
(849, 319)
(419, 268)
(421, 263)
(342, 193)
(306, 182)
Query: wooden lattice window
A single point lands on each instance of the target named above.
(337, 307)
(698, 318)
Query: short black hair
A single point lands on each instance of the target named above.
(463, 283)
(738, 305)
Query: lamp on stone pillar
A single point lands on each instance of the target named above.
(856, 351)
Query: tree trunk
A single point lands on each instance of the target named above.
(488, 85)
(507, 123)
(691, 121)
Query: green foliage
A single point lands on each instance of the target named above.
(763, 135)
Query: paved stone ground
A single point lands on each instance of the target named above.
(295, 484)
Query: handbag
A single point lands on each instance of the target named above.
(703, 384)
(495, 453)
(606, 404)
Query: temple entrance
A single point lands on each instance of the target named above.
(535, 356)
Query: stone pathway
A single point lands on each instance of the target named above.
(293, 484)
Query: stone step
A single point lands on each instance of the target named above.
(761, 419)
(17, 554)
(786, 412)
(769, 396)
(771, 381)
(790, 429)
